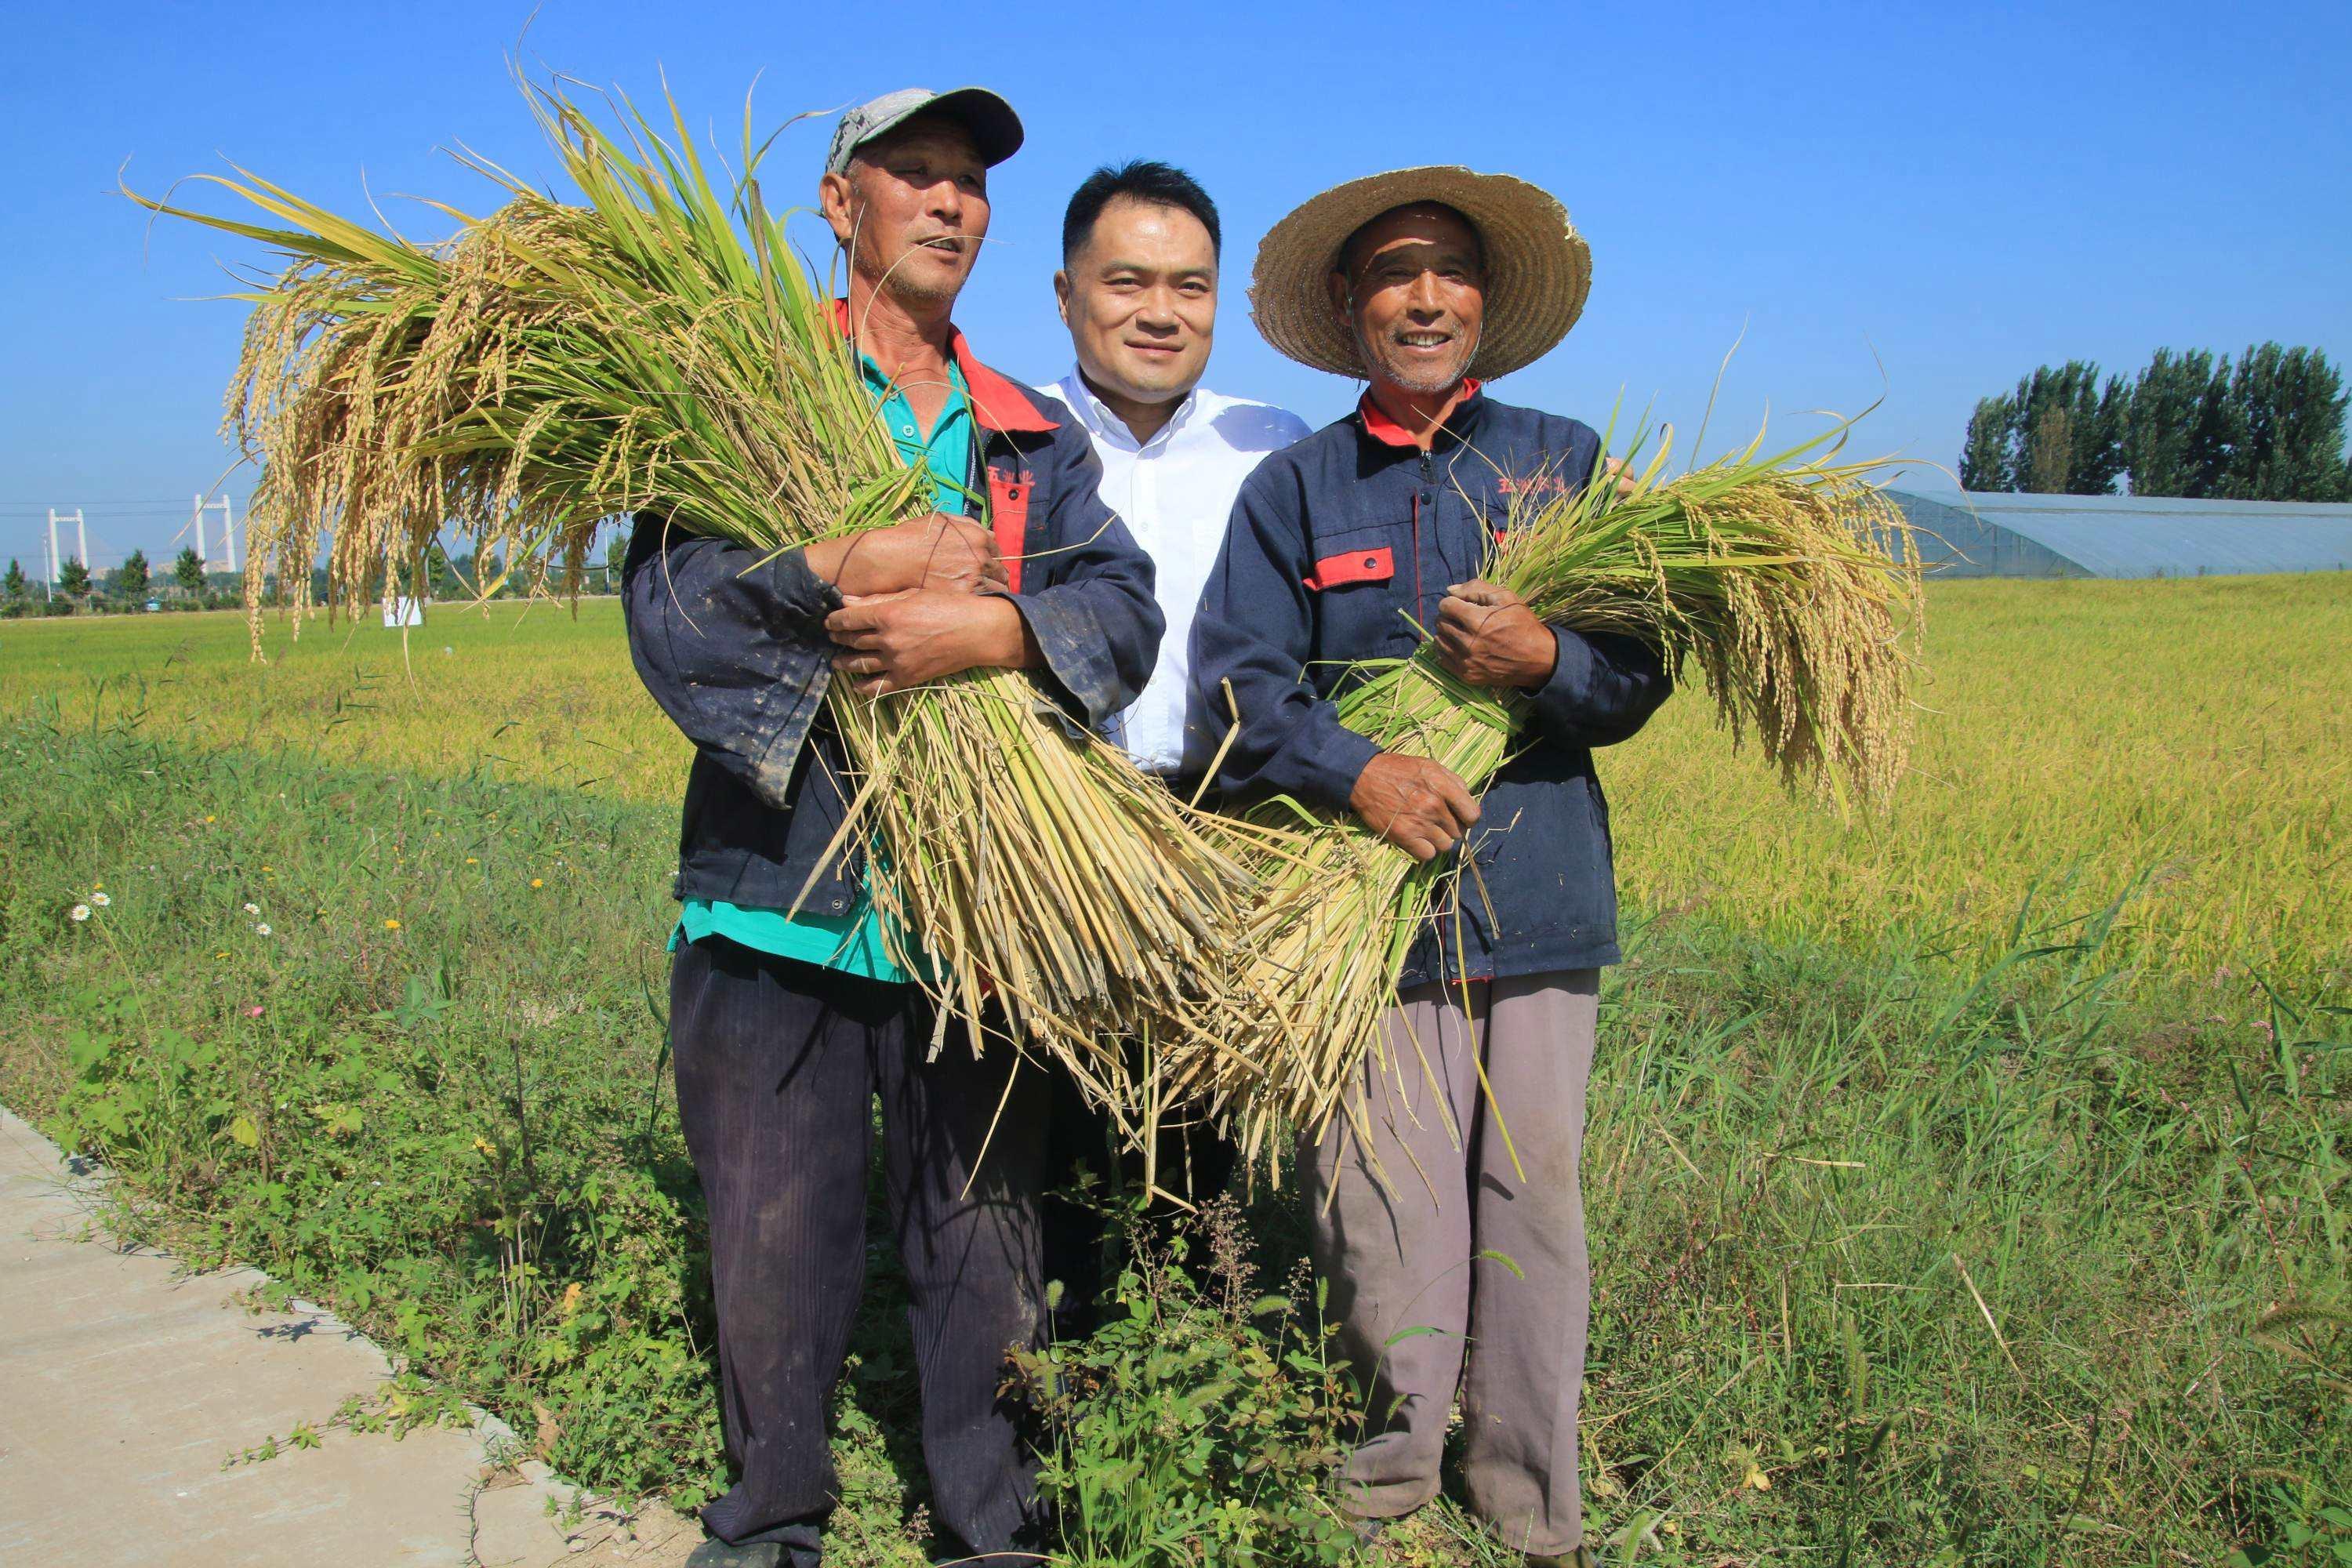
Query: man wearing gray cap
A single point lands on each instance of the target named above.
(790, 1012)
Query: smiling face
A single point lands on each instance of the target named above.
(913, 209)
(1140, 297)
(1411, 287)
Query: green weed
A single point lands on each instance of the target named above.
(2014, 1233)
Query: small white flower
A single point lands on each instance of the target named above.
(253, 908)
(261, 930)
(100, 900)
(79, 911)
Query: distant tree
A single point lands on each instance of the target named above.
(2070, 432)
(188, 571)
(73, 579)
(131, 577)
(2286, 409)
(615, 554)
(2061, 431)
(2177, 437)
(12, 587)
(1984, 457)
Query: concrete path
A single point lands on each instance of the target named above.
(124, 1383)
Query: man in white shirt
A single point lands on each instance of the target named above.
(1138, 289)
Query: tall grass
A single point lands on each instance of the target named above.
(1975, 1248)
(2073, 737)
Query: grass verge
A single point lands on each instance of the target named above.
(1919, 1253)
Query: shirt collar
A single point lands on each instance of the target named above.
(1389, 433)
(1098, 420)
(996, 403)
(882, 386)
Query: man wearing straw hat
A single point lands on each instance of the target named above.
(1426, 284)
(789, 1014)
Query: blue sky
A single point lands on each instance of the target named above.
(1917, 205)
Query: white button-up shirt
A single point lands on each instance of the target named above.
(1175, 493)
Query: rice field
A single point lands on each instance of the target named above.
(1967, 1185)
(2185, 741)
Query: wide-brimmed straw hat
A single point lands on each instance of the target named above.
(1538, 268)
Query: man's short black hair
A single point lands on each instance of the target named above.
(1144, 180)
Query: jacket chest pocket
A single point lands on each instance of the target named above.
(1362, 582)
(1345, 568)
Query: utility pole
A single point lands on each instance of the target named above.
(203, 556)
(51, 580)
(228, 535)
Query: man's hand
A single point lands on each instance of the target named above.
(1414, 803)
(1614, 470)
(949, 554)
(1487, 636)
(893, 641)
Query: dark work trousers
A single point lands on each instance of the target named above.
(778, 1066)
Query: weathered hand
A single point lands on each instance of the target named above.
(1623, 478)
(893, 641)
(1414, 803)
(1487, 636)
(951, 555)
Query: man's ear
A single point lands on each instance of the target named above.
(1343, 298)
(834, 195)
(1062, 293)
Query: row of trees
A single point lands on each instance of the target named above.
(134, 582)
(2270, 427)
(130, 584)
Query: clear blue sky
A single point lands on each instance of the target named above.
(1959, 194)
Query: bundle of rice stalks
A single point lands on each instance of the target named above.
(1787, 582)
(656, 347)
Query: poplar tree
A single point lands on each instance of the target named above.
(2070, 430)
(2286, 408)
(1985, 455)
(2178, 437)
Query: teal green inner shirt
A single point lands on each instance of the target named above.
(852, 942)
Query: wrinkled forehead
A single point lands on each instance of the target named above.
(1432, 224)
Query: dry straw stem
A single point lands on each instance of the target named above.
(1789, 578)
(655, 347)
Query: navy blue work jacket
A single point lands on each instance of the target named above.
(1334, 543)
(733, 647)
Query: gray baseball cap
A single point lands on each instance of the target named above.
(995, 129)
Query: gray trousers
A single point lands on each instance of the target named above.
(1402, 1213)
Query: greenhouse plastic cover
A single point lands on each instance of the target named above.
(2013, 534)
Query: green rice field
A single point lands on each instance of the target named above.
(1968, 1185)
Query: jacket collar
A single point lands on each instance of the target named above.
(1389, 433)
(998, 403)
